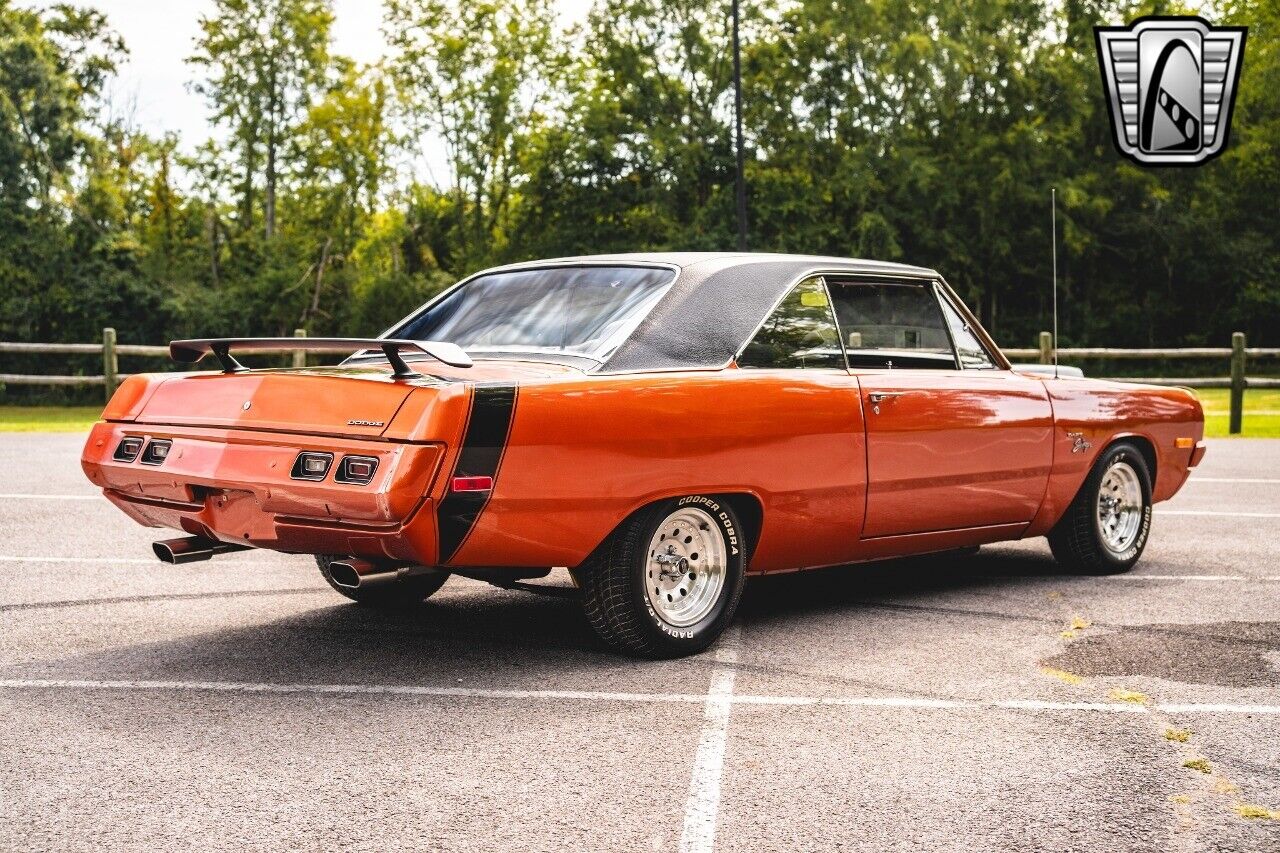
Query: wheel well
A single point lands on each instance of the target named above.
(747, 507)
(1148, 451)
(751, 513)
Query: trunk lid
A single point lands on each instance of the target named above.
(354, 400)
(324, 401)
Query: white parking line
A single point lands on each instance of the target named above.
(106, 560)
(1140, 577)
(1215, 514)
(1195, 479)
(130, 561)
(47, 497)
(719, 698)
(699, 835)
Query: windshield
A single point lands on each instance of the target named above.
(582, 311)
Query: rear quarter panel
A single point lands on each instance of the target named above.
(584, 453)
(1102, 413)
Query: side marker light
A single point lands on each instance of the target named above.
(471, 484)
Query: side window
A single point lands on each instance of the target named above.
(971, 352)
(892, 325)
(801, 332)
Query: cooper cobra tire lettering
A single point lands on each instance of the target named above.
(723, 516)
(483, 446)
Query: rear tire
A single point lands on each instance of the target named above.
(1105, 529)
(668, 581)
(403, 593)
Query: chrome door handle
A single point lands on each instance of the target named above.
(875, 398)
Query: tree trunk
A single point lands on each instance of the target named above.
(311, 309)
(212, 216)
(269, 202)
(246, 189)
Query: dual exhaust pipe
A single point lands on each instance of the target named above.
(351, 573)
(192, 549)
(355, 573)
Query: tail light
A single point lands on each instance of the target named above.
(156, 452)
(127, 450)
(311, 466)
(357, 470)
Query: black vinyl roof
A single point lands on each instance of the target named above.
(717, 302)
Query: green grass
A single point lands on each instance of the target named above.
(1261, 415)
(48, 418)
(1261, 412)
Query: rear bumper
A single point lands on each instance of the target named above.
(235, 486)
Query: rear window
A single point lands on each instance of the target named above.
(579, 311)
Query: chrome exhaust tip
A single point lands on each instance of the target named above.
(191, 549)
(354, 573)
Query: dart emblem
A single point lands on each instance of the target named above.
(1170, 85)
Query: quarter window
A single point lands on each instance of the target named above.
(973, 356)
(892, 325)
(801, 332)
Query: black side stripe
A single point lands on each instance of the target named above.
(492, 408)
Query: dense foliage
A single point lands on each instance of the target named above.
(895, 129)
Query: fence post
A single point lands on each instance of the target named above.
(1236, 425)
(110, 365)
(299, 357)
(1046, 348)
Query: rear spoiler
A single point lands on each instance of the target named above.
(190, 352)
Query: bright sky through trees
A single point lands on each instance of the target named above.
(160, 35)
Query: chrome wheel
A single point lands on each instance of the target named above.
(686, 567)
(1120, 507)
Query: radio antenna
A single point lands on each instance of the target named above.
(1053, 219)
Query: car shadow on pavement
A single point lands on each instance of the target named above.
(473, 634)
(910, 578)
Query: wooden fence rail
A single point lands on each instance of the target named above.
(1238, 355)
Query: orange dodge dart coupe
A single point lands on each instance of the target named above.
(661, 424)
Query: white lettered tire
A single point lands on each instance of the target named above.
(668, 581)
(1105, 529)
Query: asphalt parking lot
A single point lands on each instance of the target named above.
(983, 703)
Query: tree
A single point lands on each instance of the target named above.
(477, 76)
(901, 129)
(53, 65)
(266, 62)
(341, 157)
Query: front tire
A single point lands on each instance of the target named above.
(1105, 529)
(667, 583)
(403, 593)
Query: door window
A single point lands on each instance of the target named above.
(973, 356)
(894, 324)
(801, 332)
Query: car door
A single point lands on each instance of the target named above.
(953, 442)
(814, 507)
